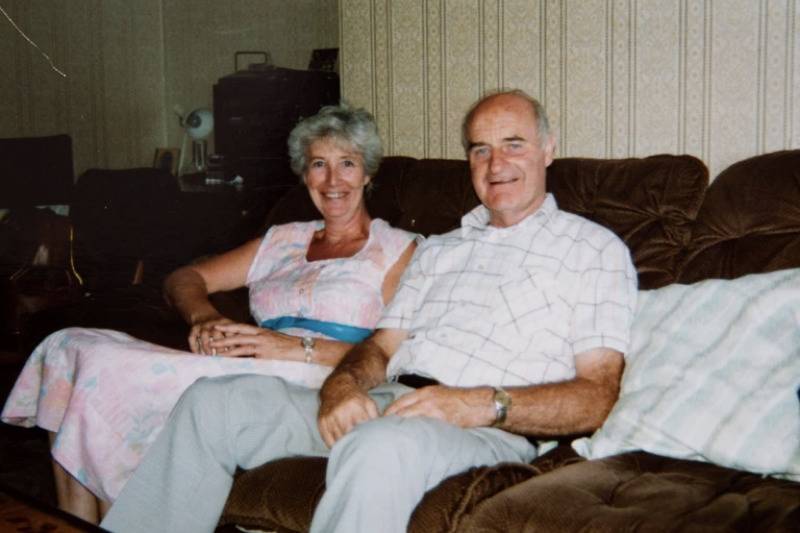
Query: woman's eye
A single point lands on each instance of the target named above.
(349, 163)
(317, 164)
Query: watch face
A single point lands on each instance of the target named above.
(502, 398)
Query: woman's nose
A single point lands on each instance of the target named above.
(331, 176)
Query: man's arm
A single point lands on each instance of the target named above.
(578, 405)
(344, 401)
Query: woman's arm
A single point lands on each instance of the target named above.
(244, 340)
(187, 290)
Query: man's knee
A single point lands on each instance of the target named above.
(217, 390)
(386, 439)
(226, 396)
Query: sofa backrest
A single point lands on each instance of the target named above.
(651, 203)
(749, 221)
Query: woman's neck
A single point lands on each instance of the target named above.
(339, 238)
(355, 228)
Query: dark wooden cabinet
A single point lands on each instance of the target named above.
(254, 111)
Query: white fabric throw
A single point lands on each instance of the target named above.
(713, 375)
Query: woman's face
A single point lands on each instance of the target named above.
(335, 178)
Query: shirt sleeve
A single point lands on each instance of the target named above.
(606, 301)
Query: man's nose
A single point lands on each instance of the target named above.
(496, 160)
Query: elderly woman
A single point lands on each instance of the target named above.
(315, 289)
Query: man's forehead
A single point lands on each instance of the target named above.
(505, 126)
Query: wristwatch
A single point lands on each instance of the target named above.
(502, 403)
(308, 344)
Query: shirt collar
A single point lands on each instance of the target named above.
(478, 218)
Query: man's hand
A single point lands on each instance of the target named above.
(462, 407)
(343, 405)
(343, 398)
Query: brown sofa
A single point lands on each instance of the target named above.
(679, 229)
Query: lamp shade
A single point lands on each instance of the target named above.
(199, 123)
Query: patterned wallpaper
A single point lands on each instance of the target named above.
(129, 62)
(719, 79)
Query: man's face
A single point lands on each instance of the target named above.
(507, 159)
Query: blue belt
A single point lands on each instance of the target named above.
(340, 332)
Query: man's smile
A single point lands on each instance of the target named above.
(502, 181)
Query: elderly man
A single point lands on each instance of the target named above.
(514, 324)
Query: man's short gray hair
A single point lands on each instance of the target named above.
(542, 122)
(354, 126)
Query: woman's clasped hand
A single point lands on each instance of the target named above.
(234, 339)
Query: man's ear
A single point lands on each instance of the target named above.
(549, 150)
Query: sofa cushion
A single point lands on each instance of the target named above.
(435, 194)
(713, 375)
(639, 491)
(650, 202)
(278, 496)
(282, 495)
(453, 501)
(750, 220)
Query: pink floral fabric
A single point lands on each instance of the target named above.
(107, 395)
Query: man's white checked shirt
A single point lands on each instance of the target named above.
(512, 306)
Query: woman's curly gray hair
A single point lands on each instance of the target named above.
(355, 126)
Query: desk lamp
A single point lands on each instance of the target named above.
(198, 126)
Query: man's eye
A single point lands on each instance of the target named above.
(480, 151)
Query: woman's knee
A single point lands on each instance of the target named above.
(209, 394)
